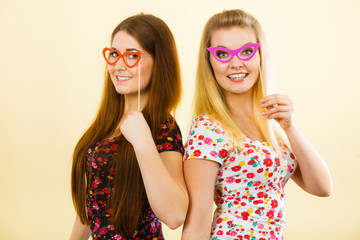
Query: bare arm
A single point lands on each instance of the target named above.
(312, 173)
(200, 177)
(80, 231)
(162, 173)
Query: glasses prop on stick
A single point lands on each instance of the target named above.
(112, 56)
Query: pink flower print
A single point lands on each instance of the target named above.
(111, 227)
(257, 183)
(208, 140)
(117, 237)
(233, 233)
(220, 173)
(95, 206)
(89, 150)
(213, 153)
(280, 214)
(94, 165)
(230, 180)
(260, 226)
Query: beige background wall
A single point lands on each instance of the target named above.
(51, 73)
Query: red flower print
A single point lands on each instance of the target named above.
(260, 170)
(223, 153)
(103, 231)
(274, 203)
(190, 142)
(280, 214)
(268, 162)
(236, 168)
(197, 153)
(250, 151)
(106, 150)
(219, 220)
(220, 232)
(270, 214)
(277, 161)
(250, 175)
(251, 162)
(201, 137)
(167, 146)
(266, 151)
(260, 195)
(114, 147)
(245, 215)
(217, 131)
(292, 156)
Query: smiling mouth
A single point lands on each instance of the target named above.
(122, 78)
(237, 76)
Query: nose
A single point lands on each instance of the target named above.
(235, 62)
(120, 65)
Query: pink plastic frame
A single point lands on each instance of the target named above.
(234, 52)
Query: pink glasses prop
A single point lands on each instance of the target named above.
(113, 55)
(225, 55)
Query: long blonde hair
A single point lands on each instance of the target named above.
(209, 95)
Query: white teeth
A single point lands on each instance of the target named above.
(236, 76)
(123, 78)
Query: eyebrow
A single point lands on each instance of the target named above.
(241, 46)
(128, 49)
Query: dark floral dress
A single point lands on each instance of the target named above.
(101, 182)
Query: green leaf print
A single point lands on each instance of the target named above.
(250, 183)
(219, 140)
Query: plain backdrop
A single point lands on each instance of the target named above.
(51, 73)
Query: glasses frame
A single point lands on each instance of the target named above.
(234, 52)
(121, 56)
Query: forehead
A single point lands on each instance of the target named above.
(233, 37)
(123, 40)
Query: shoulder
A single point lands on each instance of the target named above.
(169, 137)
(207, 123)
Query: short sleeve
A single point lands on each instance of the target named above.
(290, 160)
(169, 138)
(206, 140)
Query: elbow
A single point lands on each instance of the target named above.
(176, 219)
(176, 222)
(326, 192)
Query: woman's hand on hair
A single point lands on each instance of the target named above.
(278, 107)
(135, 129)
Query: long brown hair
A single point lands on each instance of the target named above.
(164, 95)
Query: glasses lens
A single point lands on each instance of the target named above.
(222, 55)
(111, 56)
(247, 53)
(131, 58)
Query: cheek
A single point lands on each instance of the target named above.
(217, 67)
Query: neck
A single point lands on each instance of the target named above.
(131, 102)
(240, 105)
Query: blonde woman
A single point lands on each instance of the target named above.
(233, 154)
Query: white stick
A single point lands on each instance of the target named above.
(139, 87)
